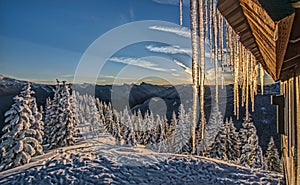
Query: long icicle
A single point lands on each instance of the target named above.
(235, 88)
(247, 86)
(180, 12)
(252, 68)
(227, 45)
(244, 77)
(206, 9)
(261, 75)
(254, 86)
(231, 39)
(215, 20)
(202, 66)
(221, 24)
(195, 71)
(211, 30)
(238, 44)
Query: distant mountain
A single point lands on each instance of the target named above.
(140, 96)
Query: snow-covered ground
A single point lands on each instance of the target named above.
(100, 161)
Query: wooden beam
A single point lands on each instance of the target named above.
(284, 30)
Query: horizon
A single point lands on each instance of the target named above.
(111, 84)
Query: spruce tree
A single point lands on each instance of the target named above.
(117, 130)
(271, 159)
(65, 125)
(51, 114)
(212, 127)
(233, 143)
(182, 132)
(36, 121)
(161, 146)
(18, 144)
(251, 152)
(129, 135)
(218, 149)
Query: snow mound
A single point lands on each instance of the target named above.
(100, 161)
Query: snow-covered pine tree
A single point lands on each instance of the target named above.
(108, 115)
(37, 123)
(182, 132)
(147, 128)
(94, 120)
(37, 126)
(161, 145)
(129, 135)
(271, 159)
(17, 142)
(218, 149)
(47, 120)
(233, 143)
(139, 125)
(155, 133)
(171, 133)
(100, 106)
(213, 127)
(117, 130)
(173, 122)
(65, 129)
(251, 152)
(75, 105)
(51, 113)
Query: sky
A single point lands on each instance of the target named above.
(42, 40)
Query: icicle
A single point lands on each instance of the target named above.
(206, 9)
(254, 81)
(236, 77)
(180, 12)
(195, 71)
(211, 29)
(221, 41)
(244, 84)
(256, 76)
(236, 88)
(222, 48)
(247, 86)
(215, 20)
(241, 55)
(227, 45)
(252, 71)
(231, 40)
(261, 75)
(202, 65)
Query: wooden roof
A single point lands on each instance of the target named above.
(269, 30)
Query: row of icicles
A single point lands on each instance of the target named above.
(225, 51)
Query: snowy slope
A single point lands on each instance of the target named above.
(100, 161)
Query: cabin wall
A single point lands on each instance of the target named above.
(291, 137)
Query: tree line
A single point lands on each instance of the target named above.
(68, 116)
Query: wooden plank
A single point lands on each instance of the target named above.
(297, 173)
(284, 30)
(271, 40)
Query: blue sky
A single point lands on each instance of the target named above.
(41, 40)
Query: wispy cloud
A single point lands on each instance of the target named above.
(181, 31)
(186, 68)
(176, 74)
(170, 49)
(171, 2)
(138, 62)
(128, 17)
